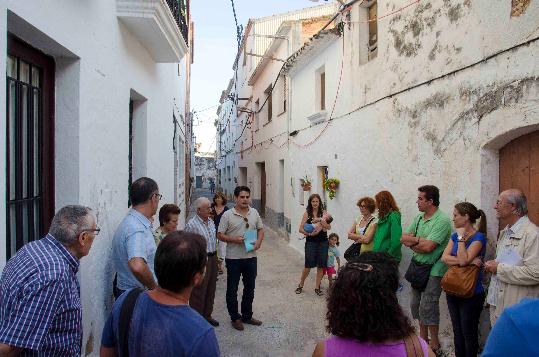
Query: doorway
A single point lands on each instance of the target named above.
(519, 168)
(262, 168)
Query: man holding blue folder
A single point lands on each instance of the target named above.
(242, 229)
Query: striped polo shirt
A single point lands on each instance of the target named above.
(40, 308)
(205, 229)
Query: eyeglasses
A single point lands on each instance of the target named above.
(159, 196)
(246, 222)
(362, 206)
(95, 231)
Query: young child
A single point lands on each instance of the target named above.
(333, 254)
(315, 228)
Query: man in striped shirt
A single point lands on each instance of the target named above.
(203, 295)
(40, 307)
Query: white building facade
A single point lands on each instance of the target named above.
(406, 94)
(97, 96)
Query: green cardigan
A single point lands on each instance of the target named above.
(388, 235)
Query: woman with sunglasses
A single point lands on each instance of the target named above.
(316, 246)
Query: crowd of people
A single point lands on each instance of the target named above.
(441, 260)
(165, 280)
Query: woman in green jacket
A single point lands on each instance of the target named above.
(389, 229)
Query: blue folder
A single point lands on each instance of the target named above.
(250, 239)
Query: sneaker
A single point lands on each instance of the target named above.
(237, 324)
(252, 321)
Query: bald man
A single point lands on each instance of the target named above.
(515, 271)
(204, 294)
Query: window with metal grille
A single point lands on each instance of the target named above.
(30, 138)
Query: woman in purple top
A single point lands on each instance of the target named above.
(364, 315)
(467, 246)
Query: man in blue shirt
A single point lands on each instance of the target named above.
(40, 307)
(515, 332)
(162, 323)
(133, 244)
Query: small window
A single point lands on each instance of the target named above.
(256, 115)
(373, 30)
(281, 85)
(269, 103)
(244, 54)
(320, 89)
(323, 91)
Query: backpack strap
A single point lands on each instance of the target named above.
(126, 314)
(413, 346)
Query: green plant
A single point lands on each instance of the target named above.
(305, 180)
(331, 185)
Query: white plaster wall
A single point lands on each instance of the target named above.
(112, 63)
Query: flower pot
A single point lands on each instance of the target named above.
(332, 186)
(306, 187)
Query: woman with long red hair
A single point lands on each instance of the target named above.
(389, 230)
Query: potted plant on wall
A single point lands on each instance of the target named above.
(331, 185)
(306, 183)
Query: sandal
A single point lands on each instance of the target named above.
(299, 289)
(438, 351)
(318, 292)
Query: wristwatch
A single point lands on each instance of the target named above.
(461, 239)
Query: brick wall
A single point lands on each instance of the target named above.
(518, 7)
(311, 26)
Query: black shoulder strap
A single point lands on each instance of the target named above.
(126, 313)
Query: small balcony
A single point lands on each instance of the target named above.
(161, 26)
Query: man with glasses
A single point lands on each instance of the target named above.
(40, 307)
(203, 295)
(515, 271)
(239, 261)
(133, 245)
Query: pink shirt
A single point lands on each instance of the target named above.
(344, 347)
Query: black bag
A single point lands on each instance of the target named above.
(418, 275)
(355, 249)
(126, 313)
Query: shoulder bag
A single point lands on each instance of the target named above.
(126, 314)
(418, 273)
(460, 281)
(413, 346)
(355, 249)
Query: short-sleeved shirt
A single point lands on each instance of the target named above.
(40, 308)
(332, 253)
(162, 330)
(205, 229)
(233, 225)
(437, 229)
(477, 237)
(133, 239)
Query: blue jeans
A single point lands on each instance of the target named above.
(465, 313)
(235, 268)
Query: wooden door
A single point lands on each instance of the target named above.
(519, 168)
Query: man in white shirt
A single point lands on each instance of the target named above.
(203, 295)
(515, 271)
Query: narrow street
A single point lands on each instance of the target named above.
(291, 323)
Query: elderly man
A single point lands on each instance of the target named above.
(40, 307)
(203, 295)
(133, 244)
(515, 272)
(160, 321)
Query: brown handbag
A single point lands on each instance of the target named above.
(460, 281)
(413, 346)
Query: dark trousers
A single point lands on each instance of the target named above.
(203, 295)
(465, 313)
(235, 268)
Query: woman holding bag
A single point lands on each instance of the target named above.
(363, 228)
(466, 248)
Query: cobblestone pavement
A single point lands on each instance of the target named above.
(292, 324)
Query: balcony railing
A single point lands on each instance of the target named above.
(180, 14)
